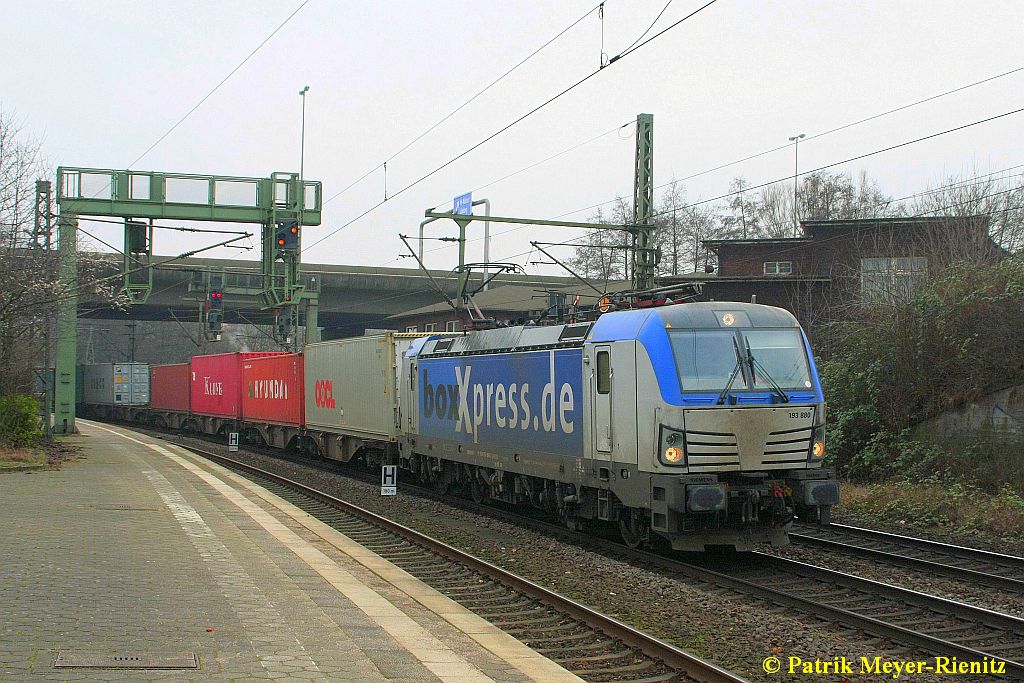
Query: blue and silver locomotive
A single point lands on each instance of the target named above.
(700, 423)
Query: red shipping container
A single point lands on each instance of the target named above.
(273, 390)
(169, 387)
(217, 383)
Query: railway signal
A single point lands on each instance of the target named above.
(287, 235)
(214, 313)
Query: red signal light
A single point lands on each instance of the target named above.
(295, 230)
(280, 242)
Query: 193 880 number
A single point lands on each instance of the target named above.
(801, 415)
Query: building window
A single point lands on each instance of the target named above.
(778, 267)
(891, 278)
(430, 327)
(451, 326)
(412, 328)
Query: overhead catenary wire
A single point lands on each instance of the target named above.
(222, 82)
(648, 29)
(970, 181)
(462, 106)
(516, 121)
(976, 180)
(814, 137)
(850, 159)
(527, 168)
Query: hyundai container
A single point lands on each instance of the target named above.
(272, 390)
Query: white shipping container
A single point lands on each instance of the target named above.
(119, 384)
(351, 385)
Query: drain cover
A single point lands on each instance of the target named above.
(122, 506)
(125, 660)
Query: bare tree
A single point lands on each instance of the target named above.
(672, 238)
(29, 285)
(1000, 200)
(603, 256)
(741, 220)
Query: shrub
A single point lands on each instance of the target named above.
(959, 337)
(19, 420)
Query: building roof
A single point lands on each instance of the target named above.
(810, 227)
(758, 240)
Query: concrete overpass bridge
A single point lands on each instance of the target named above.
(352, 298)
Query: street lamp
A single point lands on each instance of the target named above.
(302, 143)
(796, 168)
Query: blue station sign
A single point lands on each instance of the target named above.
(463, 205)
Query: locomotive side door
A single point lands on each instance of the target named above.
(601, 388)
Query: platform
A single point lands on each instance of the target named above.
(141, 555)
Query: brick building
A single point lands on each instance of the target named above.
(836, 263)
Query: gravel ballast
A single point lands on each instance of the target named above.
(732, 630)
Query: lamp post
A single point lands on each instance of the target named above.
(302, 143)
(796, 169)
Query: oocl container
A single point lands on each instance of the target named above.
(272, 390)
(351, 385)
(169, 387)
(216, 383)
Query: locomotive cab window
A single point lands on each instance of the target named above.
(604, 373)
(707, 359)
(778, 355)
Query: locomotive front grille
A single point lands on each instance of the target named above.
(712, 451)
(788, 447)
(748, 439)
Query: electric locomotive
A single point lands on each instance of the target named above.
(700, 423)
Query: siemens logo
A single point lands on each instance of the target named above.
(480, 401)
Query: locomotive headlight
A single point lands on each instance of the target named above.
(673, 454)
(817, 451)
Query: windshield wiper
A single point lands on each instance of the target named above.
(764, 373)
(735, 371)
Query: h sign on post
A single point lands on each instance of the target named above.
(463, 205)
(233, 442)
(388, 480)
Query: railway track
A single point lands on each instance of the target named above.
(995, 570)
(925, 622)
(593, 646)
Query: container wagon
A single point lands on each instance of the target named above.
(215, 390)
(169, 394)
(352, 395)
(112, 390)
(272, 402)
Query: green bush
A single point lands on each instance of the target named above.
(897, 364)
(19, 420)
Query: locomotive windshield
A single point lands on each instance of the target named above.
(706, 359)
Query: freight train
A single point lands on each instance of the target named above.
(698, 424)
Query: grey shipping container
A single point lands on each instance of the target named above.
(118, 384)
(351, 385)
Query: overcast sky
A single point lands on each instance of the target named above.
(99, 82)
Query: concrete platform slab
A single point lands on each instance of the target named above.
(142, 547)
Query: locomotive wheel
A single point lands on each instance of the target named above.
(634, 529)
(478, 491)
